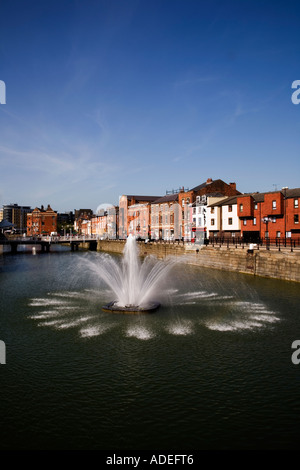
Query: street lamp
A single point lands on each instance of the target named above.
(266, 220)
(284, 215)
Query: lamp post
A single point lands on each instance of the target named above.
(284, 215)
(266, 220)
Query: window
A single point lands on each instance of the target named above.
(212, 221)
(245, 222)
(273, 205)
(182, 202)
(230, 221)
(266, 234)
(296, 218)
(230, 208)
(277, 234)
(241, 207)
(212, 210)
(194, 210)
(198, 199)
(296, 202)
(255, 206)
(233, 234)
(254, 220)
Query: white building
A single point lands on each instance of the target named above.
(222, 217)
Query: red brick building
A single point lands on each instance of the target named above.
(41, 222)
(81, 218)
(273, 215)
(270, 215)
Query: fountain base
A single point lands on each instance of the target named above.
(113, 307)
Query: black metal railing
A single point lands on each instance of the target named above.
(267, 243)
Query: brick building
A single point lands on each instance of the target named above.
(166, 218)
(255, 216)
(41, 221)
(138, 216)
(104, 223)
(270, 215)
(212, 188)
(81, 216)
(125, 202)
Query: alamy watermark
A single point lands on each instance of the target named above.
(296, 354)
(2, 92)
(296, 95)
(2, 352)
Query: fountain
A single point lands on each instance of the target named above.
(133, 282)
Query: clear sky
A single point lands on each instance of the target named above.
(114, 97)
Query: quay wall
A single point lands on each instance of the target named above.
(267, 263)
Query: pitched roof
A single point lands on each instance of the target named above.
(258, 197)
(224, 202)
(294, 192)
(138, 199)
(167, 198)
(6, 224)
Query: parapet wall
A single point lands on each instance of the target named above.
(266, 263)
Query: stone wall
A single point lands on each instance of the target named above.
(273, 264)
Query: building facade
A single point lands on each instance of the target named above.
(17, 215)
(125, 201)
(186, 199)
(256, 216)
(41, 222)
(165, 218)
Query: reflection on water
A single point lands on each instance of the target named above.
(210, 369)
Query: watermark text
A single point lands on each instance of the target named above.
(2, 352)
(2, 92)
(296, 354)
(296, 95)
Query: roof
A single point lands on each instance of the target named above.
(142, 198)
(295, 192)
(166, 198)
(258, 197)
(5, 224)
(224, 202)
(201, 186)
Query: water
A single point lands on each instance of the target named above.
(211, 369)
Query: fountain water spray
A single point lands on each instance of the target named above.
(133, 282)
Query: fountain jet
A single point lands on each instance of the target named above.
(133, 282)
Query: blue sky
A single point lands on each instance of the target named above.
(115, 97)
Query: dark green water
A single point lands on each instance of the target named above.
(211, 369)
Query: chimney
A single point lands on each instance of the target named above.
(42, 208)
(232, 185)
(209, 180)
